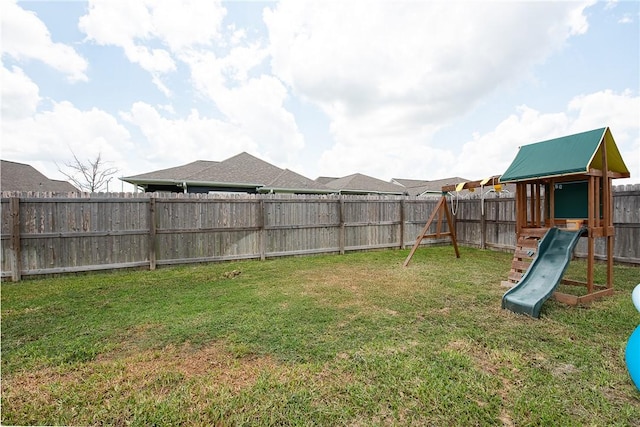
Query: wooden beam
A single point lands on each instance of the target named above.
(152, 233)
(402, 220)
(610, 174)
(552, 203)
(452, 228)
(262, 238)
(591, 238)
(424, 230)
(535, 204)
(14, 246)
(472, 184)
(342, 236)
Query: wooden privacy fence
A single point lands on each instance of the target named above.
(47, 235)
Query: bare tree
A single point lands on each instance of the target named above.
(91, 176)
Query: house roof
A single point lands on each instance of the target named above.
(16, 176)
(176, 173)
(242, 168)
(569, 155)
(408, 182)
(289, 181)
(325, 179)
(240, 171)
(417, 187)
(359, 183)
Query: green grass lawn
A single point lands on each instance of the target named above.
(325, 340)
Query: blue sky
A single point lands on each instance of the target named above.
(391, 89)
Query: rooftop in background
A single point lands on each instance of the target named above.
(240, 173)
(358, 183)
(16, 176)
(417, 187)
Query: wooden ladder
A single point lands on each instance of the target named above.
(526, 251)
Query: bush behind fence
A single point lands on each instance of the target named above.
(53, 234)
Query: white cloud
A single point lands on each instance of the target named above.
(388, 74)
(257, 108)
(162, 35)
(48, 137)
(403, 159)
(487, 154)
(492, 153)
(352, 57)
(626, 19)
(20, 96)
(26, 37)
(187, 23)
(171, 142)
(173, 26)
(619, 111)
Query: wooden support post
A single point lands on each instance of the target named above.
(607, 208)
(452, 227)
(483, 225)
(591, 239)
(552, 203)
(598, 217)
(532, 211)
(610, 243)
(522, 211)
(14, 247)
(439, 222)
(402, 214)
(262, 232)
(536, 204)
(609, 231)
(343, 231)
(152, 233)
(521, 207)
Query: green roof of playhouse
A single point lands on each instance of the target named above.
(569, 155)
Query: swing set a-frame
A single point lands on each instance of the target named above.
(443, 210)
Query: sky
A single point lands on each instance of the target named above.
(391, 89)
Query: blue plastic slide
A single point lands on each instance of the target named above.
(544, 274)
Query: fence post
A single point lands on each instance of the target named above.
(152, 233)
(402, 207)
(483, 223)
(342, 235)
(14, 247)
(261, 234)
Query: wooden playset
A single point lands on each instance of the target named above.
(567, 183)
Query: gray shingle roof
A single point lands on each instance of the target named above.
(16, 176)
(242, 168)
(325, 179)
(240, 171)
(177, 173)
(359, 183)
(289, 180)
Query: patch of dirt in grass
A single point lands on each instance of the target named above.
(213, 361)
(120, 376)
(563, 370)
